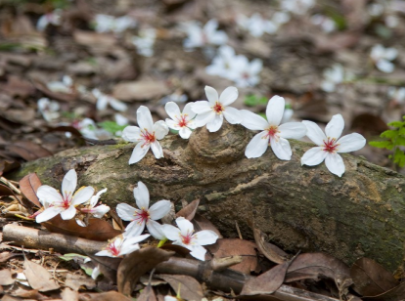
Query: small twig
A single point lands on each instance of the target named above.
(10, 185)
(238, 230)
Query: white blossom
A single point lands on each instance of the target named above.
(182, 122)
(273, 133)
(89, 130)
(382, 58)
(329, 145)
(103, 100)
(64, 86)
(397, 95)
(144, 41)
(107, 23)
(92, 208)
(53, 18)
(201, 36)
(326, 23)
(184, 236)
(122, 245)
(299, 7)
(334, 76)
(256, 25)
(49, 109)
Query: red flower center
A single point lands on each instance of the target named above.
(182, 121)
(66, 200)
(218, 107)
(330, 145)
(113, 249)
(148, 137)
(186, 239)
(142, 216)
(272, 131)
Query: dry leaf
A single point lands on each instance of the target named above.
(136, 264)
(201, 223)
(147, 294)
(189, 211)
(6, 277)
(38, 277)
(29, 186)
(395, 294)
(109, 296)
(29, 150)
(272, 252)
(140, 90)
(69, 295)
(190, 289)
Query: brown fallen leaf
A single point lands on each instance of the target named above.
(201, 223)
(39, 278)
(97, 229)
(371, 278)
(235, 246)
(29, 186)
(140, 90)
(6, 277)
(4, 256)
(189, 211)
(147, 294)
(270, 251)
(69, 295)
(109, 296)
(395, 294)
(28, 150)
(186, 286)
(136, 264)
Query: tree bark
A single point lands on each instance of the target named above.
(301, 208)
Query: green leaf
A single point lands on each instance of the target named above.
(382, 144)
(72, 256)
(399, 158)
(396, 124)
(112, 126)
(254, 100)
(390, 134)
(88, 271)
(400, 141)
(401, 131)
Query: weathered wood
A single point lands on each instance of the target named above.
(301, 208)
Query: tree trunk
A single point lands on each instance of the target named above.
(301, 208)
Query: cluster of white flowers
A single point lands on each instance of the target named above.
(326, 23)
(382, 58)
(144, 41)
(256, 25)
(334, 76)
(211, 114)
(103, 100)
(107, 23)
(202, 36)
(299, 7)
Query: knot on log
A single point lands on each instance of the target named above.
(224, 146)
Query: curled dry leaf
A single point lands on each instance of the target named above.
(395, 294)
(38, 277)
(187, 286)
(97, 229)
(370, 278)
(270, 251)
(28, 150)
(189, 211)
(29, 186)
(136, 264)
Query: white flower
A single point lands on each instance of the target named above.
(245, 73)
(50, 18)
(49, 109)
(397, 95)
(103, 100)
(21, 278)
(144, 216)
(177, 97)
(299, 7)
(334, 76)
(64, 86)
(256, 25)
(382, 58)
(327, 24)
(96, 272)
(65, 203)
(330, 145)
(92, 208)
(223, 64)
(122, 245)
(145, 41)
(184, 236)
(273, 133)
(213, 111)
(107, 23)
(182, 122)
(146, 135)
(89, 130)
(198, 37)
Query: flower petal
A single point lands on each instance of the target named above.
(257, 146)
(49, 213)
(281, 148)
(159, 209)
(118, 105)
(155, 229)
(134, 229)
(212, 96)
(228, 96)
(198, 252)
(334, 162)
(144, 118)
(313, 156)
(188, 110)
(83, 195)
(232, 115)
(204, 118)
(185, 132)
(314, 132)
(172, 233)
(215, 124)
(125, 212)
(100, 210)
(201, 107)
(68, 213)
(157, 149)
(292, 130)
(185, 226)
(335, 126)
(275, 110)
(351, 143)
(69, 184)
(253, 121)
(205, 237)
(104, 253)
(139, 152)
(131, 133)
(48, 195)
(172, 109)
(160, 128)
(141, 195)
(172, 124)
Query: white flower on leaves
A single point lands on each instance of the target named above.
(144, 41)
(65, 203)
(245, 73)
(327, 24)
(146, 135)
(396, 95)
(334, 76)
(103, 100)
(329, 145)
(143, 215)
(212, 112)
(382, 58)
(53, 18)
(184, 236)
(182, 122)
(89, 130)
(49, 109)
(207, 35)
(93, 209)
(299, 7)
(273, 133)
(122, 245)
(64, 86)
(107, 23)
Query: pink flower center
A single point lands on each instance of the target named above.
(330, 145)
(148, 137)
(141, 216)
(66, 200)
(112, 248)
(183, 121)
(272, 131)
(218, 108)
(245, 75)
(186, 239)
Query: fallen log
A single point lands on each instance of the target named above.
(301, 208)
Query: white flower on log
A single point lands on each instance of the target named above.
(122, 245)
(93, 209)
(182, 122)
(273, 133)
(146, 135)
(330, 145)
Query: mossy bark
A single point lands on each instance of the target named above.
(301, 208)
